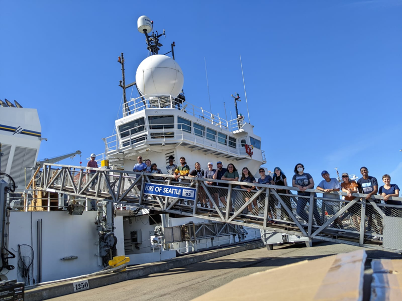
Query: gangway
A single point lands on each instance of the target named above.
(266, 207)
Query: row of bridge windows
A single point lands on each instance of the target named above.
(167, 122)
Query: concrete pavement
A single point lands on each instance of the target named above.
(188, 282)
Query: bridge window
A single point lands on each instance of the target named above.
(255, 142)
(232, 142)
(161, 122)
(199, 130)
(211, 134)
(222, 138)
(132, 127)
(184, 124)
(243, 142)
(135, 140)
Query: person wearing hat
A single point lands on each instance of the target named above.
(92, 163)
(350, 186)
(171, 167)
(328, 186)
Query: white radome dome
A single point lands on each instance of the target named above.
(159, 75)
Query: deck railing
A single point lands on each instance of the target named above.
(168, 102)
(370, 223)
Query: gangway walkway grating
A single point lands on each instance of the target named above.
(267, 207)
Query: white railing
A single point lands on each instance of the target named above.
(169, 102)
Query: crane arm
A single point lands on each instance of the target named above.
(58, 158)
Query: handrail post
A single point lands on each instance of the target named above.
(311, 215)
(362, 220)
(228, 202)
(266, 208)
(196, 197)
(142, 188)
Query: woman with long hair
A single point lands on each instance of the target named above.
(246, 176)
(279, 179)
(231, 175)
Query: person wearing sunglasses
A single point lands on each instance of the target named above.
(350, 186)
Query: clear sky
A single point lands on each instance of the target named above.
(323, 78)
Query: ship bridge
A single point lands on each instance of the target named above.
(272, 209)
(160, 124)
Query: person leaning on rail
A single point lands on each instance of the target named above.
(246, 176)
(279, 179)
(171, 167)
(209, 174)
(350, 186)
(267, 180)
(182, 170)
(327, 186)
(389, 190)
(221, 192)
(304, 181)
(198, 172)
(231, 174)
(369, 185)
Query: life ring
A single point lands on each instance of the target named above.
(249, 149)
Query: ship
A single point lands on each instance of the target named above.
(49, 235)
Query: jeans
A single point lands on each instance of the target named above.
(301, 204)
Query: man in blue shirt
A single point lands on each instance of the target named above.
(369, 186)
(327, 186)
(220, 171)
(140, 166)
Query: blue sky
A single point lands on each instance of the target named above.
(323, 78)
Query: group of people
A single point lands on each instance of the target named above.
(301, 180)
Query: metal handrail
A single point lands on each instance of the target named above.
(309, 215)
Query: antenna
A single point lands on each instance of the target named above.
(226, 116)
(122, 84)
(145, 26)
(245, 93)
(206, 74)
(239, 118)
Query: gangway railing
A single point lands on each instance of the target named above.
(370, 223)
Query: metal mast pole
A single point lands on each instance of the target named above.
(245, 93)
(123, 85)
(206, 74)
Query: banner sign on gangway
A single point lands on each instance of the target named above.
(170, 191)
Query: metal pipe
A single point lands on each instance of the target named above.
(39, 249)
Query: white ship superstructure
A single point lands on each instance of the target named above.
(157, 129)
(55, 235)
(20, 139)
(161, 123)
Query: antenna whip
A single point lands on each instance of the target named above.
(245, 93)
